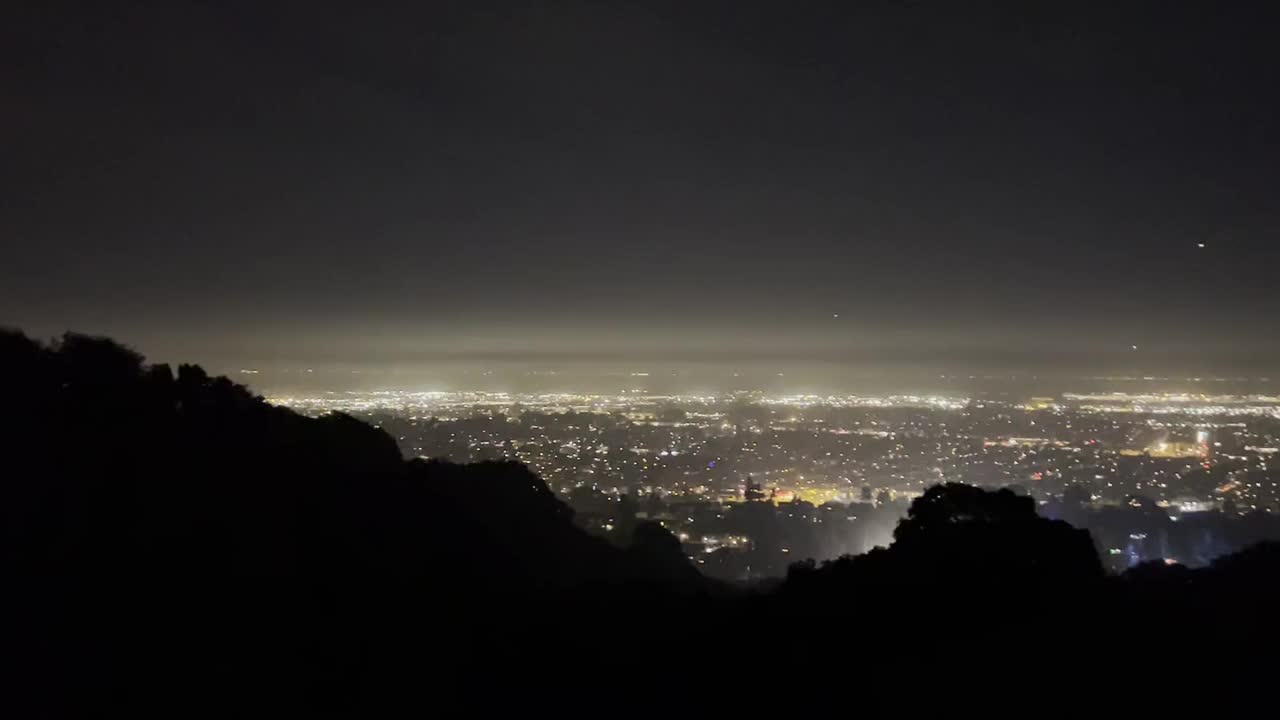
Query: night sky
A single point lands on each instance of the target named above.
(881, 183)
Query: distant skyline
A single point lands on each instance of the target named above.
(881, 187)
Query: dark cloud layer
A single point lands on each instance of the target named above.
(265, 180)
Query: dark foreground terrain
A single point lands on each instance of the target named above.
(172, 543)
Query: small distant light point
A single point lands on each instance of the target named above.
(1200, 245)
(1135, 347)
(835, 315)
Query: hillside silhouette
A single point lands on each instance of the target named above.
(149, 513)
(173, 541)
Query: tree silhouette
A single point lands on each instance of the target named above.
(956, 533)
(959, 530)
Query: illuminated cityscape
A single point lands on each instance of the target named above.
(750, 482)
